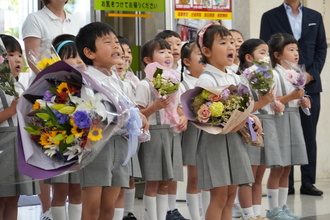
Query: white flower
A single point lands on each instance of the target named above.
(43, 103)
(72, 151)
(51, 149)
(90, 102)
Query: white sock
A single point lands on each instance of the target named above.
(119, 214)
(162, 202)
(129, 198)
(272, 196)
(257, 210)
(193, 206)
(236, 197)
(58, 212)
(149, 205)
(247, 213)
(171, 202)
(282, 196)
(75, 211)
(200, 205)
(206, 196)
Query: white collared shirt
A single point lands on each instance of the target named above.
(295, 21)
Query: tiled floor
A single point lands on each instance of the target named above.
(310, 207)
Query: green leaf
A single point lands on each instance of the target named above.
(158, 71)
(44, 116)
(70, 139)
(58, 137)
(31, 130)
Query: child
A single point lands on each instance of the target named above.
(238, 39)
(192, 68)
(222, 160)
(12, 183)
(260, 157)
(174, 40)
(97, 45)
(67, 185)
(161, 161)
(291, 140)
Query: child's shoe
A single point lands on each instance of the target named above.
(46, 215)
(174, 215)
(278, 214)
(236, 211)
(290, 213)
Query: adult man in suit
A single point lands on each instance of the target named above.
(306, 25)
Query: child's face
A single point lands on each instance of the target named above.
(260, 52)
(120, 66)
(107, 52)
(238, 39)
(163, 57)
(15, 62)
(74, 61)
(193, 63)
(128, 53)
(222, 53)
(176, 45)
(290, 53)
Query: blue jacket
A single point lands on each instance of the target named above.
(312, 44)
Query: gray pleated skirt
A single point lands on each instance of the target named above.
(106, 169)
(291, 138)
(270, 154)
(134, 169)
(222, 160)
(72, 178)
(12, 182)
(189, 144)
(161, 157)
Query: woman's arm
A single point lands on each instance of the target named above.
(32, 44)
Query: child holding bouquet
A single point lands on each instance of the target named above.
(161, 161)
(217, 154)
(256, 51)
(12, 183)
(291, 140)
(67, 185)
(101, 180)
(192, 69)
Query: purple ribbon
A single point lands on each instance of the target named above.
(252, 133)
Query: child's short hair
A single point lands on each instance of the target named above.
(186, 51)
(277, 42)
(248, 47)
(11, 44)
(208, 37)
(123, 40)
(148, 48)
(167, 33)
(237, 31)
(87, 36)
(65, 46)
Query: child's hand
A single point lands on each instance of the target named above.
(145, 123)
(257, 125)
(183, 122)
(297, 94)
(267, 98)
(13, 105)
(161, 103)
(305, 102)
(278, 107)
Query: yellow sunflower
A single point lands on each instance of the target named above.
(36, 106)
(46, 138)
(63, 87)
(77, 131)
(95, 134)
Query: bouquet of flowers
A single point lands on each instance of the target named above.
(166, 83)
(260, 76)
(295, 74)
(7, 81)
(217, 110)
(43, 58)
(65, 119)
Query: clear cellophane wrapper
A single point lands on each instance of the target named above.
(43, 57)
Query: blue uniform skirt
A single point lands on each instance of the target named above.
(222, 160)
(161, 157)
(106, 169)
(291, 138)
(270, 154)
(189, 144)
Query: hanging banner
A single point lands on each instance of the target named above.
(130, 5)
(203, 9)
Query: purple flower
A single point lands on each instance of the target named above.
(61, 118)
(242, 89)
(247, 73)
(262, 69)
(48, 96)
(225, 94)
(268, 75)
(81, 119)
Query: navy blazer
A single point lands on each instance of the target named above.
(312, 44)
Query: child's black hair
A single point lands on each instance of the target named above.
(237, 31)
(123, 40)
(87, 36)
(208, 38)
(186, 51)
(148, 48)
(167, 33)
(248, 47)
(65, 46)
(277, 42)
(10, 43)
